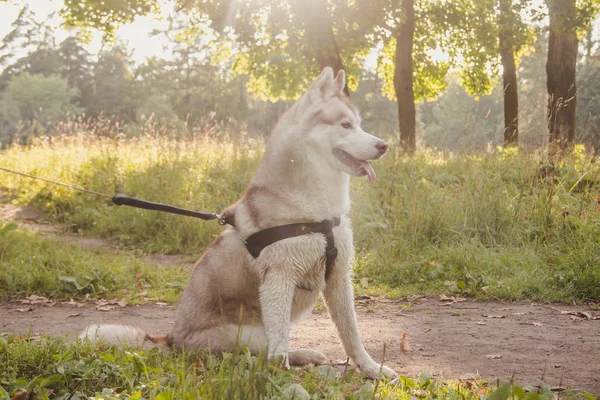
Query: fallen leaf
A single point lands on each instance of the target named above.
(72, 302)
(24, 309)
(73, 315)
(404, 345)
(449, 300)
(580, 315)
(493, 356)
(33, 299)
(161, 304)
(21, 395)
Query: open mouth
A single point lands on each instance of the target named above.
(359, 167)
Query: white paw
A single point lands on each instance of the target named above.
(376, 371)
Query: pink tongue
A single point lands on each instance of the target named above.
(369, 170)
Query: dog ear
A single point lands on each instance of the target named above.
(340, 81)
(322, 87)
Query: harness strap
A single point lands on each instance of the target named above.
(256, 242)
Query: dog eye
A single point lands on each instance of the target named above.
(346, 125)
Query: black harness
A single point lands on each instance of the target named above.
(256, 242)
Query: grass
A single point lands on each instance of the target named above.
(57, 369)
(487, 226)
(32, 265)
(495, 225)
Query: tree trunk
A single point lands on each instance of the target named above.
(560, 70)
(316, 20)
(509, 77)
(403, 78)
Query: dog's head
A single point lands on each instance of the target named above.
(331, 126)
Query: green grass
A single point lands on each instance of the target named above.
(57, 369)
(484, 225)
(31, 265)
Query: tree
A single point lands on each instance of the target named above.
(409, 72)
(113, 86)
(106, 15)
(403, 77)
(568, 18)
(458, 122)
(561, 70)
(492, 33)
(38, 101)
(509, 72)
(76, 68)
(33, 37)
(316, 24)
(588, 99)
(283, 44)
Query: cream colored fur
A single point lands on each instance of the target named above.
(233, 299)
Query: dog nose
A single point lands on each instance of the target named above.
(382, 147)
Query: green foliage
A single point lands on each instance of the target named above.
(459, 123)
(56, 368)
(279, 43)
(429, 76)
(379, 114)
(488, 226)
(37, 100)
(106, 15)
(484, 226)
(113, 82)
(473, 39)
(31, 265)
(588, 101)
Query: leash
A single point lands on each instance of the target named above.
(254, 244)
(123, 200)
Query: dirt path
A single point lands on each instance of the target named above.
(455, 340)
(493, 340)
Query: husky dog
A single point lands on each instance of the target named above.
(236, 299)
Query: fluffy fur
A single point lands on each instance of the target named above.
(233, 299)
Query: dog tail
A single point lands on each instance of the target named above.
(122, 335)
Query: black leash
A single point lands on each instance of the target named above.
(255, 243)
(123, 200)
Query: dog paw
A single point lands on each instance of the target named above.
(302, 357)
(282, 360)
(376, 371)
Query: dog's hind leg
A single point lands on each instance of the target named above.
(228, 337)
(302, 357)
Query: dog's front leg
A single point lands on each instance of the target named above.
(276, 297)
(339, 296)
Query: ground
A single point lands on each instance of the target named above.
(535, 342)
(453, 338)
